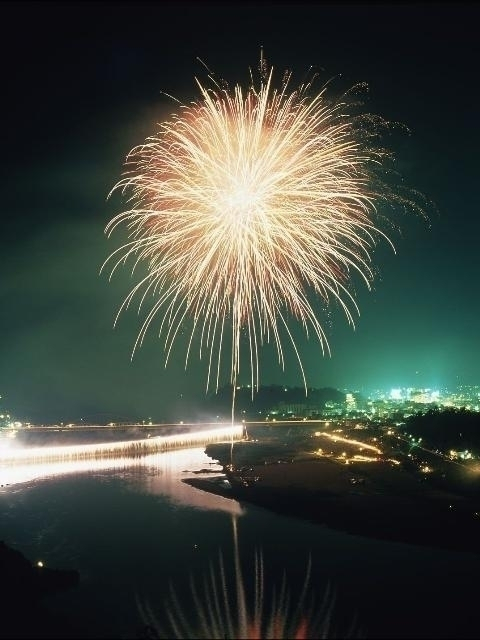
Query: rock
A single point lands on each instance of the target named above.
(23, 586)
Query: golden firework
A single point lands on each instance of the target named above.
(250, 208)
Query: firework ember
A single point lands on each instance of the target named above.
(250, 208)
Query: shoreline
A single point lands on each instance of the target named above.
(430, 518)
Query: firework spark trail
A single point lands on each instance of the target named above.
(243, 205)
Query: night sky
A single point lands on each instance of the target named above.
(82, 84)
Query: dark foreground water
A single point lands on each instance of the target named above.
(133, 527)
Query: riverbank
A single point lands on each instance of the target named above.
(375, 501)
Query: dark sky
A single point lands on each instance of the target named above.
(81, 85)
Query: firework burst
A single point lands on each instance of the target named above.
(250, 208)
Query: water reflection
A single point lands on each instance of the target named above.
(131, 526)
(223, 604)
(155, 474)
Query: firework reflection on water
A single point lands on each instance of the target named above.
(223, 606)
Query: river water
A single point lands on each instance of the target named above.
(133, 529)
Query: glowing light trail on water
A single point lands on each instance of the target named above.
(128, 447)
